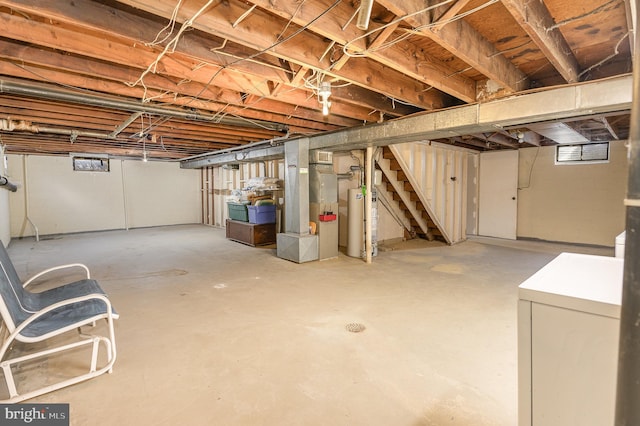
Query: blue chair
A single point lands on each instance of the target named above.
(31, 317)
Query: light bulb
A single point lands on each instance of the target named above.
(324, 92)
(325, 89)
(144, 156)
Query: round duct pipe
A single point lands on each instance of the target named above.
(43, 92)
(4, 183)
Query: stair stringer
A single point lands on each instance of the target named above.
(439, 177)
(404, 196)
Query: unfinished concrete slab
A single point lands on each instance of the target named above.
(215, 332)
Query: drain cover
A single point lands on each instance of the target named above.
(355, 327)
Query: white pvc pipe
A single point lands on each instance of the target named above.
(365, 14)
(124, 196)
(355, 218)
(26, 198)
(367, 204)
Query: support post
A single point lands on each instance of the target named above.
(628, 386)
(368, 204)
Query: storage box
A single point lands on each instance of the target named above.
(262, 214)
(238, 211)
(327, 217)
(250, 233)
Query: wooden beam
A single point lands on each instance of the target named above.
(193, 51)
(609, 127)
(299, 76)
(341, 62)
(535, 19)
(449, 13)
(630, 13)
(196, 80)
(383, 36)
(100, 85)
(463, 41)
(403, 57)
(260, 31)
(498, 138)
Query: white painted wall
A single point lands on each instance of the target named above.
(572, 203)
(5, 221)
(159, 193)
(133, 194)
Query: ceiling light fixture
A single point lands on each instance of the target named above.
(144, 151)
(364, 15)
(324, 92)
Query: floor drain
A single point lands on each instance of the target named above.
(355, 327)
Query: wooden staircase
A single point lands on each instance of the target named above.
(408, 201)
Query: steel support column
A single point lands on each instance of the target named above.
(296, 244)
(628, 387)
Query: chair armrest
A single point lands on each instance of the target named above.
(109, 313)
(55, 268)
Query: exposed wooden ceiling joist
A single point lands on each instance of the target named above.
(400, 57)
(183, 70)
(535, 19)
(257, 65)
(261, 33)
(459, 37)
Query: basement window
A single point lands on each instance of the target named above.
(88, 164)
(588, 153)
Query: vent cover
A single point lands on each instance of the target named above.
(321, 157)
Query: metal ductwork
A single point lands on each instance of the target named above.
(261, 150)
(44, 92)
(8, 125)
(4, 183)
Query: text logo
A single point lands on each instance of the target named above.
(34, 414)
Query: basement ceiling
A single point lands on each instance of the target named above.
(177, 78)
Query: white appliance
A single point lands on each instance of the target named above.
(568, 321)
(620, 239)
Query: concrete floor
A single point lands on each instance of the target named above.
(213, 332)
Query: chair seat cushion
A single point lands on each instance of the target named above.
(66, 316)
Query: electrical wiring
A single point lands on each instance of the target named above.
(354, 54)
(531, 170)
(584, 15)
(168, 28)
(414, 31)
(169, 48)
(614, 54)
(24, 68)
(290, 20)
(260, 52)
(511, 49)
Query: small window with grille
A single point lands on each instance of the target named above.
(88, 164)
(588, 153)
